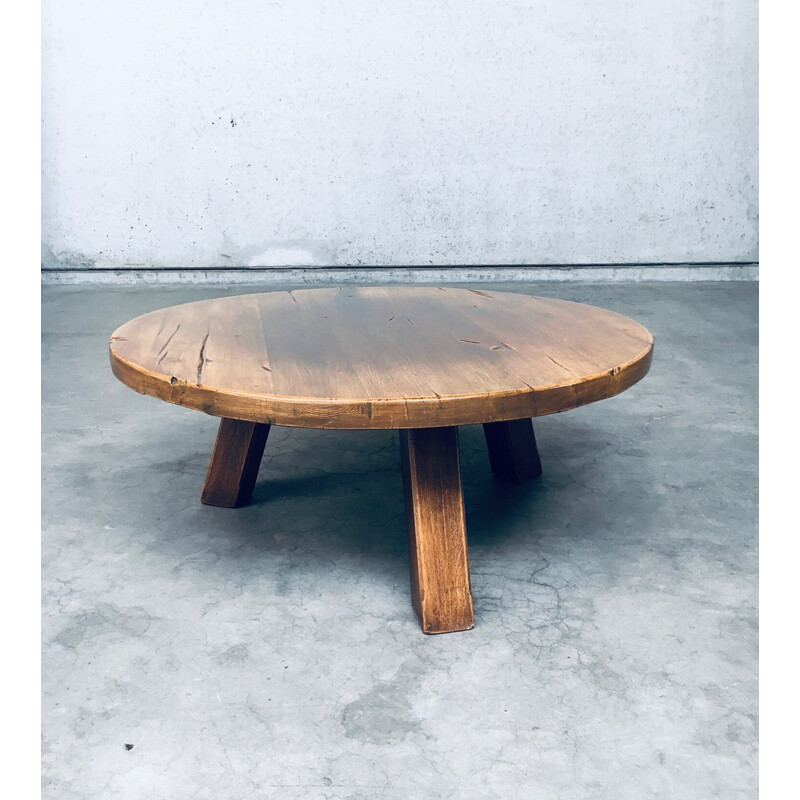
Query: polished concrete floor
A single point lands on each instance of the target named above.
(271, 651)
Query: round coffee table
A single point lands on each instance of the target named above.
(422, 360)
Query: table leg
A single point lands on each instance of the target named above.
(234, 465)
(440, 585)
(512, 450)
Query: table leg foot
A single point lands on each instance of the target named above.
(439, 563)
(234, 465)
(512, 450)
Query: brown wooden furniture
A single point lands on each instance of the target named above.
(422, 360)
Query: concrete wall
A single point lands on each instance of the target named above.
(201, 133)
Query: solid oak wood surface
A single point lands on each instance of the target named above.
(381, 357)
(234, 464)
(512, 450)
(437, 530)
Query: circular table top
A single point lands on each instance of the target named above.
(381, 357)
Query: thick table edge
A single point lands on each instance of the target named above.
(382, 414)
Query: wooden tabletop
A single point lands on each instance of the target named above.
(381, 357)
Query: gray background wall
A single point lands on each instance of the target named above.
(202, 133)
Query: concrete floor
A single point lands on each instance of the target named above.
(271, 651)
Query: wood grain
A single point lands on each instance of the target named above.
(440, 585)
(512, 450)
(234, 464)
(381, 357)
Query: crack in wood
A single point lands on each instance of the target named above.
(201, 362)
(566, 369)
(166, 344)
